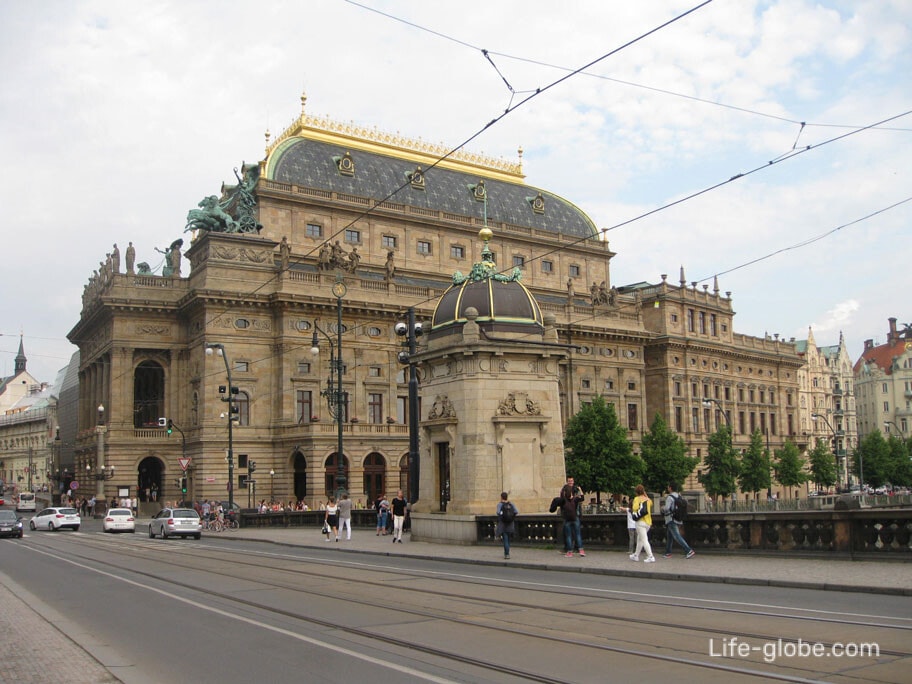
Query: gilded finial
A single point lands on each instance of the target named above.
(486, 234)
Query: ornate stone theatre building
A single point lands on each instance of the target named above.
(262, 277)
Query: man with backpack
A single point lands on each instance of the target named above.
(675, 511)
(506, 514)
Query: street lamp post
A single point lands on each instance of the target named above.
(100, 430)
(271, 483)
(216, 347)
(411, 331)
(815, 416)
(335, 396)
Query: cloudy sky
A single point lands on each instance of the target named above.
(117, 117)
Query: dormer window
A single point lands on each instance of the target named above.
(346, 164)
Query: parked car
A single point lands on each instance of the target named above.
(2, 502)
(10, 524)
(56, 518)
(177, 522)
(119, 520)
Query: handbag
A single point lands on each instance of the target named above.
(325, 529)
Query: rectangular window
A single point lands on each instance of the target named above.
(402, 410)
(547, 266)
(763, 423)
(352, 235)
(762, 397)
(609, 385)
(519, 261)
(241, 367)
(772, 423)
(702, 319)
(375, 407)
(574, 271)
(753, 421)
(679, 419)
(674, 318)
(690, 320)
(632, 419)
(751, 393)
(374, 371)
(693, 390)
(883, 388)
(314, 230)
(705, 390)
(389, 241)
(740, 394)
(305, 406)
(695, 419)
(741, 423)
(303, 368)
(707, 419)
(423, 247)
(886, 407)
(631, 386)
(791, 424)
(677, 387)
(585, 383)
(712, 325)
(728, 394)
(457, 252)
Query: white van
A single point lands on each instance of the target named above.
(26, 502)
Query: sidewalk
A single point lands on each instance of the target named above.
(875, 577)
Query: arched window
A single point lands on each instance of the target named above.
(242, 401)
(300, 476)
(148, 394)
(374, 476)
(331, 469)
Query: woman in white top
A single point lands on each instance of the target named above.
(332, 519)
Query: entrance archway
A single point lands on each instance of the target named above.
(374, 476)
(299, 483)
(150, 478)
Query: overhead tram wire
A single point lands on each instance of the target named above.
(495, 120)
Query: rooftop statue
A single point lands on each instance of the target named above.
(235, 212)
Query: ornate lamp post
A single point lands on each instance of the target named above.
(271, 483)
(411, 331)
(100, 429)
(335, 398)
(816, 416)
(216, 347)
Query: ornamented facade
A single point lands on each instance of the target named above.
(384, 215)
(883, 383)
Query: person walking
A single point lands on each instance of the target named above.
(399, 504)
(506, 514)
(345, 516)
(641, 512)
(382, 511)
(631, 531)
(673, 526)
(331, 519)
(570, 511)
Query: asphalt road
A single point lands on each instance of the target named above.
(230, 610)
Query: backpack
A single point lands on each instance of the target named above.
(507, 513)
(679, 514)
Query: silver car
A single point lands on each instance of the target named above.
(176, 522)
(54, 519)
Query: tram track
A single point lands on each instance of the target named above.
(190, 558)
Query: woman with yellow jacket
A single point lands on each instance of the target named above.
(641, 512)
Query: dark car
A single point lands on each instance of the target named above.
(10, 524)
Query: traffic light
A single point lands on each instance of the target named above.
(171, 427)
(251, 467)
(183, 485)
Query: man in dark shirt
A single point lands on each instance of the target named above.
(573, 536)
(398, 505)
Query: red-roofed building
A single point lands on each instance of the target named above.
(883, 383)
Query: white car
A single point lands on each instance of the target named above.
(176, 522)
(119, 520)
(54, 519)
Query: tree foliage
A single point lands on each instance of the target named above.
(598, 454)
(722, 465)
(822, 464)
(789, 466)
(872, 462)
(754, 475)
(665, 455)
(900, 462)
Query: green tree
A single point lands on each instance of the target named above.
(598, 454)
(722, 466)
(822, 464)
(900, 464)
(789, 466)
(871, 462)
(665, 455)
(754, 475)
